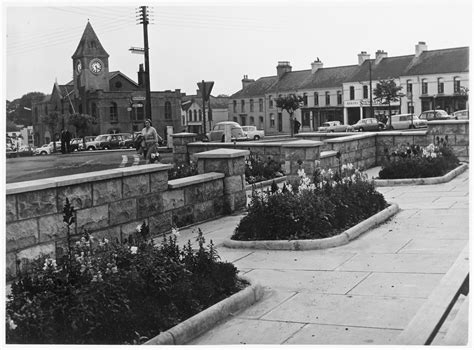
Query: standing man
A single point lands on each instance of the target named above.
(62, 136)
(67, 139)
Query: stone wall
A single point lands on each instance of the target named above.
(111, 204)
(457, 132)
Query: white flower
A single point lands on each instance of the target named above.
(11, 323)
(433, 155)
(301, 173)
(175, 232)
(133, 250)
(139, 228)
(50, 263)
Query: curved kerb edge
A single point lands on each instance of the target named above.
(189, 329)
(422, 181)
(309, 244)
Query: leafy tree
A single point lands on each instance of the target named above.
(386, 92)
(81, 122)
(52, 121)
(290, 104)
(11, 126)
(20, 109)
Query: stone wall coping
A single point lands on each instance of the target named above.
(327, 154)
(60, 181)
(193, 180)
(229, 145)
(302, 143)
(401, 133)
(184, 134)
(449, 121)
(352, 137)
(222, 153)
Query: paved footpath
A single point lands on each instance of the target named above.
(364, 292)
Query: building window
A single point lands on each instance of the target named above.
(242, 106)
(195, 115)
(235, 120)
(235, 106)
(244, 121)
(306, 119)
(200, 115)
(316, 99)
(167, 110)
(260, 122)
(94, 109)
(409, 89)
(272, 120)
(251, 105)
(457, 85)
(190, 116)
(351, 93)
(339, 98)
(270, 102)
(440, 86)
(252, 121)
(305, 99)
(365, 90)
(328, 98)
(112, 109)
(260, 105)
(424, 86)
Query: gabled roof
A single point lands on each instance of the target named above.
(329, 77)
(216, 102)
(119, 73)
(290, 81)
(89, 45)
(440, 61)
(388, 67)
(257, 88)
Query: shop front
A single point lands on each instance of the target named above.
(448, 103)
(312, 118)
(356, 110)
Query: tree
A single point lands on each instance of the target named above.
(52, 121)
(20, 109)
(386, 92)
(81, 122)
(290, 104)
(11, 126)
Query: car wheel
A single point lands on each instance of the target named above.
(43, 153)
(331, 130)
(381, 127)
(256, 137)
(106, 147)
(90, 148)
(411, 126)
(361, 129)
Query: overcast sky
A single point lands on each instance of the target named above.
(220, 41)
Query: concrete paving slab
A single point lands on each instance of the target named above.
(376, 243)
(339, 335)
(347, 310)
(434, 246)
(409, 263)
(431, 233)
(243, 331)
(270, 300)
(294, 260)
(233, 255)
(398, 285)
(334, 282)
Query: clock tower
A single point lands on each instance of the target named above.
(90, 64)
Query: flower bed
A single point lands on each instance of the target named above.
(258, 170)
(415, 162)
(311, 210)
(115, 293)
(179, 171)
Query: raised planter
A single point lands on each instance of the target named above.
(200, 323)
(421, 181)
(322, 243)
(262, 184)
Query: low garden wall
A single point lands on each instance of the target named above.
(111, 204)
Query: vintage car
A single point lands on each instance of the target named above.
(333, 126)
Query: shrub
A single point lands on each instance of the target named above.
(414, 161)
(182, 170)
(311, 210)
(105, 293)
(257, 170)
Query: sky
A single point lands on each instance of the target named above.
(219, 41)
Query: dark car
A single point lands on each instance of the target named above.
(112, 141)
(76, 145)
(438, 114)
(128, 142)
(368, 124)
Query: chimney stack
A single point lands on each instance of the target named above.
(363, 55)
(379, 55)
(282, 68)
(141, 76)
(246, 81)
(316, 65)
(420, 47)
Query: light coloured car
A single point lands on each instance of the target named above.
(48, 148)
(437, 114)
(218, 132)
(462, 114)
(252, 132)
(92, 145)
(333, 126)
(407, 121)
(368, 124)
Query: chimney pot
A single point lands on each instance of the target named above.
(282, 68)
(420, 47)
(316, 65)
(363, 56)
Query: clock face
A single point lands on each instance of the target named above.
(78, 67)
(96, 66)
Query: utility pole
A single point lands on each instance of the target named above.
(144, 19)
(370, 86)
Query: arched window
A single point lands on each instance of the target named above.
(167, 110)
(93, 109)
(113, 112)
(190, 116)
(195, 115)
(200, 115)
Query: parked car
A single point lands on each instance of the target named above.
(128, 141)
(462, 114)
(437, 114)
(253, 133)
(48, 148)
(407, 121)
(367, 124)
(333, 126)
(77, 144)
(112, 141)
(25, 151)
(218, 132)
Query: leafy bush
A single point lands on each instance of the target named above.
(105, 293)
(311, 210)
(257, 170)
(182, 170)
(414, 161)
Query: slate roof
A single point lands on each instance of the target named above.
(259, 88)
(116, 73)
(440, 61)
(388, 67)
(329, 77)
(290, 81)
(89, 45)
(216, 102)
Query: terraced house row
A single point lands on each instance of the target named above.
(429, 79)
